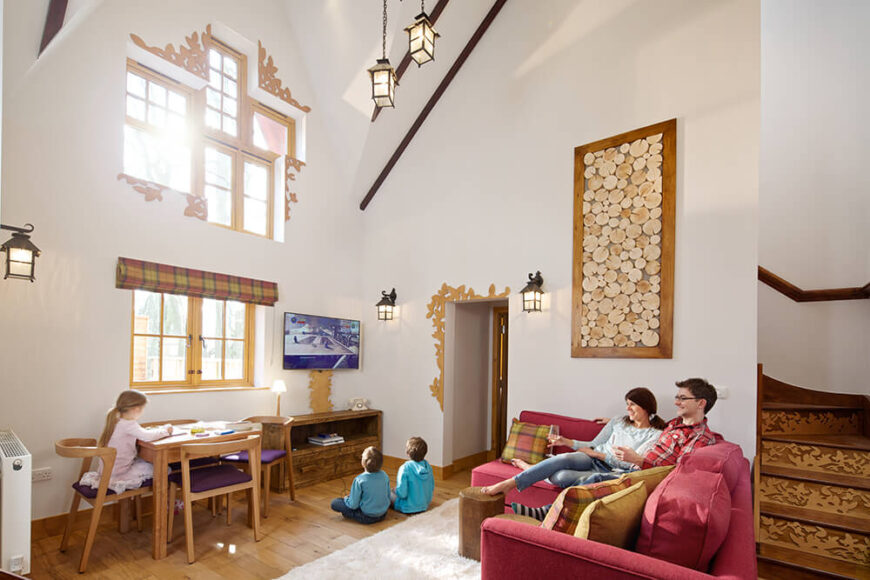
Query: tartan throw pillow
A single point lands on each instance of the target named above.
(526, 441)
(568, 507)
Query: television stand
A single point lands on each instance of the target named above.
(315, 463)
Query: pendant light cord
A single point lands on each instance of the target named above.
(384, 37)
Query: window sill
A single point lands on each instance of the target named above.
(151, 390)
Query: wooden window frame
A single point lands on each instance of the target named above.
(194, 379)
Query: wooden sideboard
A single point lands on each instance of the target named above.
(314, 463)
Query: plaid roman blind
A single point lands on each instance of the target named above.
(140, 275)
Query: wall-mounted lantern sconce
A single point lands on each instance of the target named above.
(532, 293)
(386, 305)
(21, 253)
(421, 38)
(278, 387)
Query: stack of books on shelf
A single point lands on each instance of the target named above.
(326, 439)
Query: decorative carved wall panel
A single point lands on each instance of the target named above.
(810, 422)
(816, 458)
(292, 167)
(435, 311)
(320, 385)
(624, 198)
(193, 58)
(816, 540)
(817, 496)
(270, 83)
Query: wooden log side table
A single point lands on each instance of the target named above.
(474, 507)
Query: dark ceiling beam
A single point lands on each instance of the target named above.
(433, 100)
(53, 22)
(433, 18)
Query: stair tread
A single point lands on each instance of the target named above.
(857, 442)
(807, 407)
(804, 561)
(817, 517)
(825, 478)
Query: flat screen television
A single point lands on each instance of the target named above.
(320, 342)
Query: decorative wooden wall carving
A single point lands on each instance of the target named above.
(816, 458)
(435, 311)
(816, 539)
(320, 385)
(193, 58)
(809, 423)
(292, 167)
(816, 496)
(624, 198)
(271, 83)
(196, 206)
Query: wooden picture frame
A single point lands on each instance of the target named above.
(623, 267)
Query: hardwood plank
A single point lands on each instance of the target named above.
(856, 442)
(817, 518)
(776, 562)
(295, 533)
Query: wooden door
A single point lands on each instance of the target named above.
(499, 378)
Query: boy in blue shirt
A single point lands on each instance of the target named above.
(369, 497)
(415, 482)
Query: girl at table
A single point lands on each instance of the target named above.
(121, 432)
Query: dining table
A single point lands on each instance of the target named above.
(164, 451)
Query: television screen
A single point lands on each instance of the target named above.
(320, 342)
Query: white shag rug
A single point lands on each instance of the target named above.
(424, 546)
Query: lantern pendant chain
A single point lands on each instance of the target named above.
(384, 37)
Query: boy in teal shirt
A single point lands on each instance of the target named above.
(415, 482)
(369, 497)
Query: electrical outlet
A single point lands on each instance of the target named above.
(42, 474)
(16, 563)
(722, 392)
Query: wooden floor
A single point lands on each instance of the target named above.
(293, 534)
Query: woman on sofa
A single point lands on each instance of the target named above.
(639, 430)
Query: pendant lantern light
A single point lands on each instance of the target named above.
(383, 76)
(421, 38)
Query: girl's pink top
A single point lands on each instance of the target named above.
(127, 431)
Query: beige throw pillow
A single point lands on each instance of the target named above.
(614, 519)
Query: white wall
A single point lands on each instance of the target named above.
(65, 339)
(484, 195)
(814, 211)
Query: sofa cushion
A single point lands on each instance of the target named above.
(725, 458)
(614, 519)
(686, 518)
(539, 494)
(652, 477)
(526, 441)
(570, 427)
(568, 507)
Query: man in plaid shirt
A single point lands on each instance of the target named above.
(687, 432)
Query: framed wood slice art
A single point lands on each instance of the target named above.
(624, 199)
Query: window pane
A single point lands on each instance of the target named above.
(230, 107)
(211, 360)
(212, 318)
(177, 103)
(176, 126)
(146, 357)
(230, 67)
(163, 161)
(234, 365)
(213, 98)
(218, 205)
(136, 85)
(212, 118)
(230, 87)
(229, 125)
(218, 168)
(255, 216)
(269, 134)
(214, 59)
(235, 320)
(146, 312)
(214, 79)
(157, 94)
(174, 315)
(174, 359)
(136, 108)
(156, 115)
(256, 181)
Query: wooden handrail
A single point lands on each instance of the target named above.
(798, 295)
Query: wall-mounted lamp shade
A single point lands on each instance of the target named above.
(532, 293)
(21, 253)
(421, 39)
(383, 83)
(386, 305)
(278, 387)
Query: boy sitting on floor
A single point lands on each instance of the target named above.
(369, 497)
(415, 482)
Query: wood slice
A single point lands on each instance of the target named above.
(637, 202)
(634, 253)
(614, 210)
(616, 196)
(656, 312)
(584, 343)
(589, 159)
(652, 252)
(619, 340)
(655, 279)
(652, 267)
(624, 148)
(657, 185)
(650, 338)
(609, 153)
(626, 267)
(613, 262)
(590, 269)
(595, 229)
(611, 290)
(617, 236)
(652, 139)
(605, 342)
(596, 207)
(642, 241)
(593, 343)
(590, 283)
(596, 332)
(594, 182)
(610, 330)
(623, 171)
(628, 287)
(655, 213)
(600, 321)
(639, 215)
(619, 159)
(590, 243)
(625, 203)
(589, 219)
(654, 161)
(640, 324)
(638, 147)
(616, 316)
(589, 173)
(635, 275)
(633, 231)
(654, 323)
(635, 336)
(598, 294)
(624, 214)
(610, 182)
(655, 148)
(599, 161)
(653, 174)
(652, 200)
(654, 287)
(655, 239)
(639, 263)
(652, 227)
(621, 184)
(599, 154)
(605, 306)
(587, 207)
(586, 299)
(601, 194)
(646, 315)
(622, 278)
(651, 301)
(588, 195)
(639, 164)
(601, 219)
(623, 255)
(626, 327)
(600, 254)
(645, 189)
(614, 222)
(630, 317)
(643, 286)
(610, 276)
(628, 243)
(630, 191)
(638, 177)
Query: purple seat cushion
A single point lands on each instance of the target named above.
(266, 456)
(198, 462)
(91, 492)
(212, 477)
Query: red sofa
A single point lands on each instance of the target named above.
(512, 549)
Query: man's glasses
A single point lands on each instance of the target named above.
(684, 398)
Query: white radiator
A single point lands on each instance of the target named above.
(15, 485)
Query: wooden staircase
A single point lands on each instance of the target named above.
(812, 483)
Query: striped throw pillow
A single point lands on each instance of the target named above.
(568, 507)
(526, 441)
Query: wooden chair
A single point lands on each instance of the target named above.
(87, 450)
(216, 480)
(270, 458)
